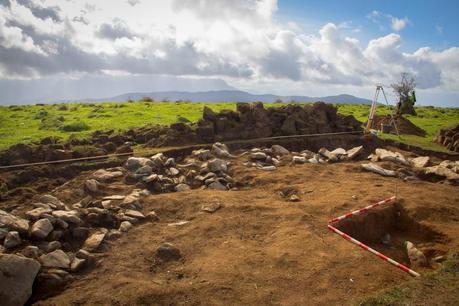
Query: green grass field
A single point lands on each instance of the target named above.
(440, 287)
(25, 124)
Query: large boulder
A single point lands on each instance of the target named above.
(17, 275)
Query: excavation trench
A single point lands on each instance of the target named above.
(387, 229)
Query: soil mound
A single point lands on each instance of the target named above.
(449, 138)
(404, 125)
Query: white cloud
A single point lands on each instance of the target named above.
(241, 42)
(398, 24)
(380, 18)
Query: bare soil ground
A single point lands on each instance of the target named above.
(261, 248)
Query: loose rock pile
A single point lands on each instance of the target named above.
(204, 168)
(412, 168)
(449, 138)
(61, 239)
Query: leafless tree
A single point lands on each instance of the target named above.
(404, 90)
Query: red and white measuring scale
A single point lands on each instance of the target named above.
(364, 246)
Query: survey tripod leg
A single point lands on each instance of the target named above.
(392, 120)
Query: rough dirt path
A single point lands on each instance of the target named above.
(260, 248)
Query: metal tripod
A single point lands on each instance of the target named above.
(380, 88)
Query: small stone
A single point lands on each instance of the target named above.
(339, 151)
(173, 171)
(180, 223)
(62, 224)
(77, 264)
(94, 241)
(17, 275)
(268, 168)
(125, 226)
(55, 259)
(151, 178)
(279, 150)
(211, 207)
(80, 233)
(217, 186)
(294, 198)
(332, 157)
(144, 171)
(354, 152)
(168, 252)
(202, 154)
(131, 201)
(299, 159)
(134, 163)
(217, 165)
(258, 156)
(103, 175)
(92, 186)
(52, 280)
(420, 162)
(36, 213)
(83, 254)
(13, 223)
(182, 187)
(70, 216)
(152, 216)
(54, 202)
(41, 228)
(134, 214)
(50, 246)
(55, 235)
(416, 257)
(12, 240)
(31, 251)
(386, 239)
(113, 234)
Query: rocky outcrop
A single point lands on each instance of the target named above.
(449, 138)
(247, 122)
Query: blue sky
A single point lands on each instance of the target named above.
(432, 23)
(285, 47)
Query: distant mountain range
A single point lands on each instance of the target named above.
(227, 96)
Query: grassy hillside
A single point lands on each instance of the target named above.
(24, 124)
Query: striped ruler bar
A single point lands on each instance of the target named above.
(364, 246)
(362, 210)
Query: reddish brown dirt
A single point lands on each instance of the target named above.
(260, 248)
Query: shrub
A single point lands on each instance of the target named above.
(51, 123)
(41, 114)
(63, 107)
(146, 99)
(75, 127)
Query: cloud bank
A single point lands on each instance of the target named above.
(237, 40)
